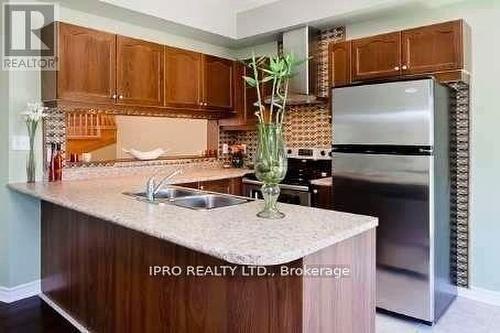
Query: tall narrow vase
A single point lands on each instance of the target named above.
(31, 163)
(270, 167)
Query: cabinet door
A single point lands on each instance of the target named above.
(376, 57)
(218, 186)
(218, 83)
(251, 98)
(240, 117)
(244, 100)
(183, 73)
(139, 72)
(433, 48)
(322, 197)
(236, 186)
(339, 63)
(194, 185)
(86, 65)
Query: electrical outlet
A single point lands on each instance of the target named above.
(225, 148)
(20, 142)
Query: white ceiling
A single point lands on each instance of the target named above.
(215, 16)
(242, 5)
(245, 21)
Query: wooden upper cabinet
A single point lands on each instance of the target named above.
(244, 99)
(433, 48)
(183, 78)
(239, 91)
(86, 66)
(239, 119)
(376, 57)
(218, 83)
(139, 72)
(339, 63)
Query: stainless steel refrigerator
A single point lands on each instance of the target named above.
(391, 160)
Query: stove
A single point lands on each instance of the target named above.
(304, 165)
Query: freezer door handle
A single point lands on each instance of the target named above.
(383, 149)
(426, 151)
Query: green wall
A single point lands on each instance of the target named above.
(4, 171)
(484, 18)
(19, 215)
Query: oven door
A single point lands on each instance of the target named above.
(289, 193)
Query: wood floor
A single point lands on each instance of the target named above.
(32, 315)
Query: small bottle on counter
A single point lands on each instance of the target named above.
(51, 170)
(57, 164)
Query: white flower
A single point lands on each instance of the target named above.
(35, 112)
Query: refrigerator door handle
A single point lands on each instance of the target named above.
(384, 149)
(426, 151)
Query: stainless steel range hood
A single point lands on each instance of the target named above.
(303, 43)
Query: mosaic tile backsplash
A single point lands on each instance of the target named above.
(307, 127)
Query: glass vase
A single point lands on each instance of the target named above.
(31, 163)
(270, 167)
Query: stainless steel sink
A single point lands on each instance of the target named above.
(209, 201)
(190, 198)
(168, 193)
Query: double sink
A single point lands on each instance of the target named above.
(190, 198)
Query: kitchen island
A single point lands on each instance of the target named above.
(117, 264)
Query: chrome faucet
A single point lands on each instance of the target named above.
(152, 187)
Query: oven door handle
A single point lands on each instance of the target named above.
(294, 187)
(282, 186)
(251, 181)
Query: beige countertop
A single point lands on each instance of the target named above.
(234, 234)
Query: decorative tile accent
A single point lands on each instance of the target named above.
(249, 138)
(305, 126)
(326, 37)
(309, 126)
(132, 168)
(54, 131)
(459, 168)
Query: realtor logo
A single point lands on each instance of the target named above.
(29, 39)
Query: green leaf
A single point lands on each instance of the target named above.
(266, 79)
(250, 81)
(275, 65)
(267, 71)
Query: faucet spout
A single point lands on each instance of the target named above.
(152, 187)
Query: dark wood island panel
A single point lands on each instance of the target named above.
(98, 272)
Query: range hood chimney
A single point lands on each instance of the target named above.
(303, 43)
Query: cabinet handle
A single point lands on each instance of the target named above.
(120, 96)
(113, 96)
(202, 187)
(206, 103)
(200, 103)
(396, 68)
(404, 67)
(315, 191)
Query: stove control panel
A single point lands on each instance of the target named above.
(309, 153)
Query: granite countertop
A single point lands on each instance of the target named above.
(234, 234)
(322, 181)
